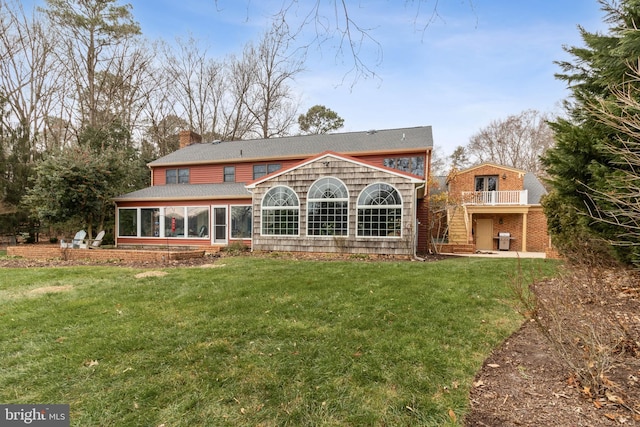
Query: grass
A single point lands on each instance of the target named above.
(259, 342)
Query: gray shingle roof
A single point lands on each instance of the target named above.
(301, 146)
(188, 191)
(535, 187)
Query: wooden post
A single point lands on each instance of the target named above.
(524, 232)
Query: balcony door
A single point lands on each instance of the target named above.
(487, 183)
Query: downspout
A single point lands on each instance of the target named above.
(416, 232)
(252, 214)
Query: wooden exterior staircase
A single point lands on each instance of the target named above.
(458, 227)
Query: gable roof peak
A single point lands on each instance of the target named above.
(495, 165)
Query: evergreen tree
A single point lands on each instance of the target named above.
(319, 119)
(580, 166)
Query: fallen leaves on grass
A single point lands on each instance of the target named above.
(50, 289)
(212, 265)
(151, 274)
(452, 416)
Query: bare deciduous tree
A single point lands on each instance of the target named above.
(271, 101)
(125, 83)
(618, 205)
(238, 120)
(193, 81)
(517, 141)
(28, 74)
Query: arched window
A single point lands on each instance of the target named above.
(380, 211)
(280, 212)
(328, 208)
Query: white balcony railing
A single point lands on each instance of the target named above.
(517, 197)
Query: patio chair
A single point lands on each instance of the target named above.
(78, 239)
(93, 243)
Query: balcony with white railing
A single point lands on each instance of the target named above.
(495, 198)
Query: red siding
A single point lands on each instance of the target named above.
(201, 174)
(214, 173)
(158, 176)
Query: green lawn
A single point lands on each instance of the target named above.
(256, 342)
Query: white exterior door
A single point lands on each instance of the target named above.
(219, 225)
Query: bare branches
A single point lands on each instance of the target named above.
(338, 26)
(617, 203)
(517, 141)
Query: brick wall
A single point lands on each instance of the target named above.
(508, 180)
(465, 181)
(122, 255)
(423, 226)
(537, 235)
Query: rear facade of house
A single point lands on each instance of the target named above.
(355, 192)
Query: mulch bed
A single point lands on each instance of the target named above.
(525, 383)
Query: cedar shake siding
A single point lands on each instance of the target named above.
(356, 178)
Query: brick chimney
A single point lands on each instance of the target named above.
(188, 137)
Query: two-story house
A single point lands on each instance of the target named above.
(493, 207)
(356, 192)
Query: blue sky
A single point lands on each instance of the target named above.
(476, 61)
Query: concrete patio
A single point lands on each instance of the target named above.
(501, 254)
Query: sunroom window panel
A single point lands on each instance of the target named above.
(128, 222)
(198, 221)
(240, 222)
(150, 222)
(174, 222)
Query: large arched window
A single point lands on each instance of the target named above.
(280, 212)
(327, 208)
(380, 211)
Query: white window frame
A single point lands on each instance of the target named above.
(264, 209)
(311, 200)
(359, 207)
(162, 222)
